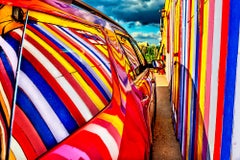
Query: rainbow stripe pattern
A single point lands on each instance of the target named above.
(64, 90)
(64, 80)
(205, 79)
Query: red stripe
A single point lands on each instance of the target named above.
(179, 67)
(24, 125)
(209, 67)
(22, 139)
(221, 79)
(6, 83)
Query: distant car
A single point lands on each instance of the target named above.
(73, 84)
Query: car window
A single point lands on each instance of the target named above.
(65, 78)
(135, 58)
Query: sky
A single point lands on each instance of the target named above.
(141, 18)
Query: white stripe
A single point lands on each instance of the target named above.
(44, 109)
(106, 137)
(186, 7)
(5, 99)
(79, 103)
(214, 76)
(11, 54)
(75, 97)
(236, 119)
(17, 150)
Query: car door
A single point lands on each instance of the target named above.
(136, 68)
(141, 78)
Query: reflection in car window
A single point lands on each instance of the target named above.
(139, 54)
(65, 77)
(133, 54)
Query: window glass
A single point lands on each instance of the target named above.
(65, 78)
(139, 53)
(133, 54)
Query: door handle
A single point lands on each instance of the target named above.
(145, 100)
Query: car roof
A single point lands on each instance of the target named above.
(71, 9)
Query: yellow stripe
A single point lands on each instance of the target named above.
(3, 143)
(203, 78)
(61, 59)
(103, 79)
(42, 17)
(103, 49)
(190, 89)
(11, 155)
(191, 72)
(114, 120)
(91, 94)
(5, 104)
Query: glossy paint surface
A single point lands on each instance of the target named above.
(64, 91)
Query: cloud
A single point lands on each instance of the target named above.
(142, 37)
(143, 11)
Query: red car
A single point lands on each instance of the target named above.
(73, 84)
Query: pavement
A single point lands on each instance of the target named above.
(165, 145)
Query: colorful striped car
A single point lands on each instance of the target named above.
(73, 84)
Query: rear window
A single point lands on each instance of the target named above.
(64, 78)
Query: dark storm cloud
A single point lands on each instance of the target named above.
(144, 11)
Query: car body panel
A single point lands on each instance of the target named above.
(65, 86)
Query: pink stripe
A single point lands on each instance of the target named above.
(70, 152)
(209, 63)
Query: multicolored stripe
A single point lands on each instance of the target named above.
(104, 138)
(65, 80)
(208, 78)
(9, 50)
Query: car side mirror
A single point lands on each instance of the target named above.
(158, 64)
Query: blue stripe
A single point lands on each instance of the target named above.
(31, 112)
(74, 58)
(7, 66)
(230, 78)
(51, 97)
(183, 73)
(15, 44)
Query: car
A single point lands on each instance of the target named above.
(73, 84)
